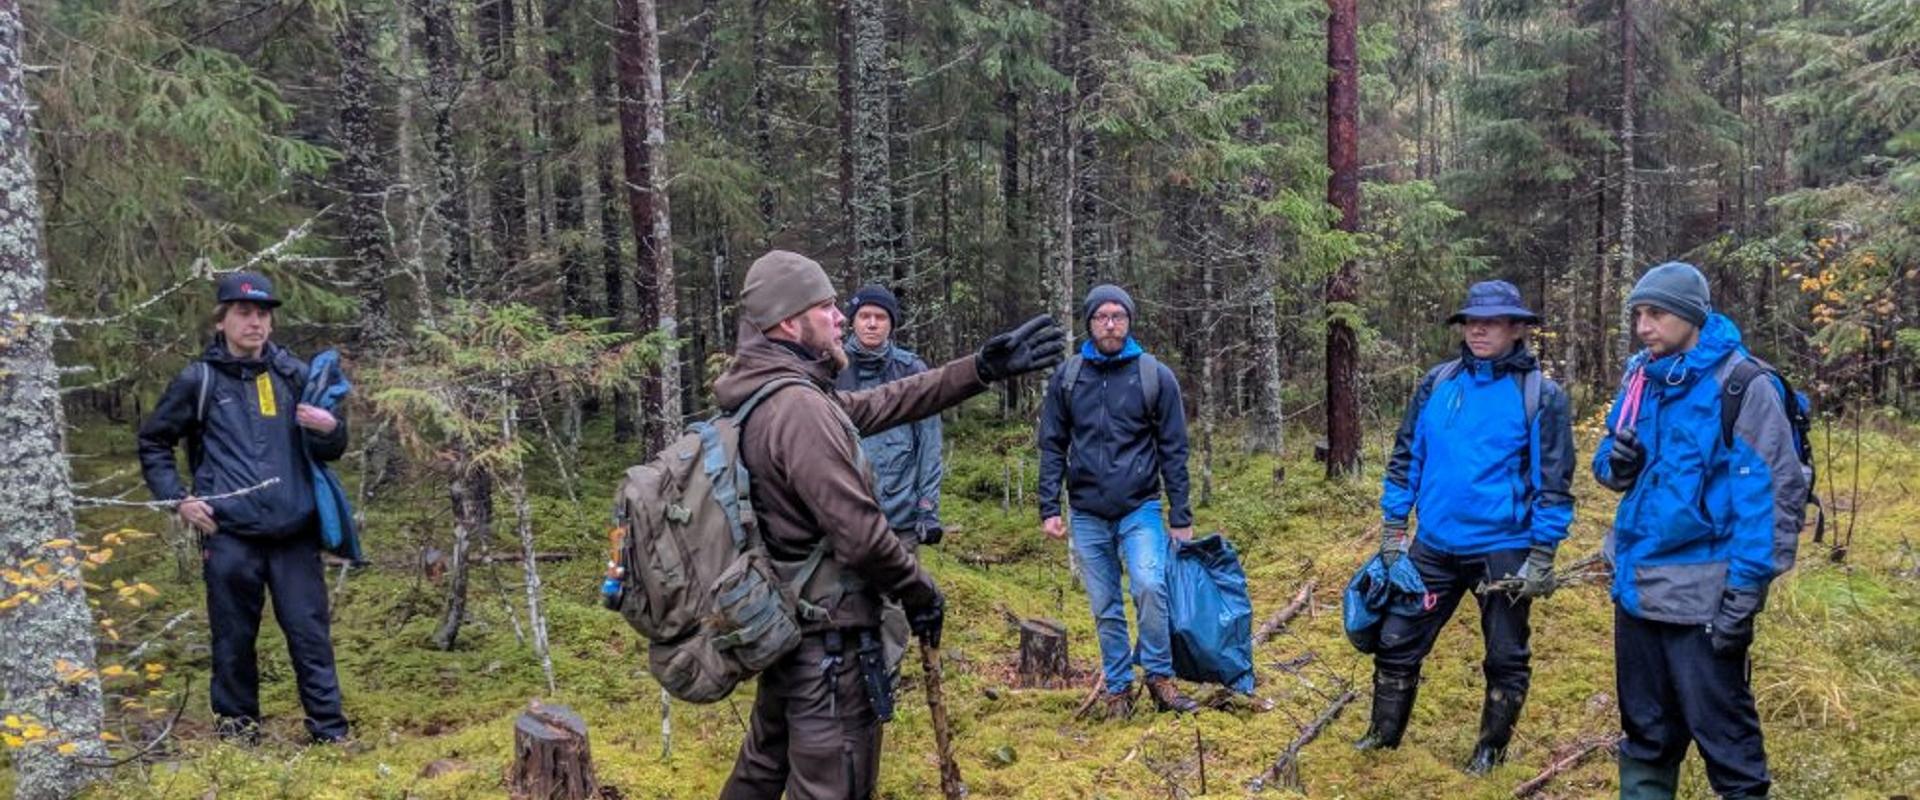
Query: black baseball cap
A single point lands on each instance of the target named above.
(247, 287)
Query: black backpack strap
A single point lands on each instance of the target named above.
(1531, 385)
(1733, 390)
(1071, 376)
(1446, 371)
(200, 403)
(1149, 379)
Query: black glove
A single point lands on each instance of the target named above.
(1732, 628)
(1393, 543)
(1038, 344)
(1536, 576)
(1626, 460)
(926, 620)
(930, 531)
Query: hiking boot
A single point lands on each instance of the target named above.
(1645, 780)
(1117, 705)
(238, 731)
(1167, 697)
(1497, 715)
(1392, 705)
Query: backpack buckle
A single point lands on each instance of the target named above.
(678, 514)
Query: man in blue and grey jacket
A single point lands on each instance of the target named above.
(1113, 428)
(1484, 457)
(905, 458)
(1708, 520)
(252, 501)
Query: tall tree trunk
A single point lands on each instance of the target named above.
(1629, 72)
(569, 207)
(612, 259)
(762, 101)
(450, 170)
(643, 137)
(46, 646)
(1343, 193)
(471, 493)
(506, 182)
(871, 203)
(360, 175)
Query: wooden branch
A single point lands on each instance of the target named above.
(82, 501)
(1285, 768)
(1279, 620)
(1092, 697)
(1572, 760)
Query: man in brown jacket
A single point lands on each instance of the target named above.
(816, 724)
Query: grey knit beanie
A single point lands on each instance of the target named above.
(781, 284)
(1676, 287)
(1103, 294)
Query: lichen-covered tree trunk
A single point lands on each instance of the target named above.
(643, 137)
(1629, 68)
(762, 101)
(872, 200)
(450, 170)
(1343, 193)
(361, 173)
(46, 643)
(471, 493)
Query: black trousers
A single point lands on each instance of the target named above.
(1406, 639)
(240, 571)
(814, 734)
(1675, 691)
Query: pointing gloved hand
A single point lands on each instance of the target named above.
(1626, 460)
(1038, 344)
(926, 620)
(1732, 628)
(1536, 576)
(1393, 543)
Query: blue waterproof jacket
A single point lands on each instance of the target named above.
(327, 388)
(1704, 515)
(237, 419)
(1462, 459)
(1114, 453)
(905, 458)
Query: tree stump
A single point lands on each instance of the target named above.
(1043, 653)
(551, 760)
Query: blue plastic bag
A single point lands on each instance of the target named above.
(326, 387)
(1209, 614)
(1374, 590)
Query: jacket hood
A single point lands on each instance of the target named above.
(1516, 361)
(757, 359)
(1719, 338)
(1128, 352)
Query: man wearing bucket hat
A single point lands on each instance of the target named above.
(237, 408)
(1714, 492)
(1484, 459)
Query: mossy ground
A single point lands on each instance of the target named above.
(1837, 666)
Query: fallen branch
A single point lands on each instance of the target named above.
(1092, 696)
(82, 501)
(164, 630)
(186, 690)
(1285, 769)
(1280, 618)
(1572, 760)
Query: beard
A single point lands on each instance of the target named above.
(825, 342)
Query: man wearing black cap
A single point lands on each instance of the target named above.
(1484, 457)
(1701, 445)
(1113, 429)
(252, 503)
(906, 458)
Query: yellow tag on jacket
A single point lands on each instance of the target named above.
(264, 385)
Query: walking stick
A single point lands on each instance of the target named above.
(951, 786)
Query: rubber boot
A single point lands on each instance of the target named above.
(1497, 715)
(1392, 704)
(1645, 780)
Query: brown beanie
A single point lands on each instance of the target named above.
(781, 284)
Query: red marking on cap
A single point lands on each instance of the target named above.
(246, 288)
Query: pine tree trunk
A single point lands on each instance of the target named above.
(1343, 193)
(1629, 69)
(360, 174)
(612, 260)
(762, 101)
(46, 646)
(450, 169)
(471, 493)
(872, 198)
(643, 137)
(569, 207)
(506, 183)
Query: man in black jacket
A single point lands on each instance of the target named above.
(1113, 427)
(252, 503)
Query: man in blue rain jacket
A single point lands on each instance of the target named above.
(1706, 523)
(1484, 457)
(238, 410)
(1113, 429)
(905, 458)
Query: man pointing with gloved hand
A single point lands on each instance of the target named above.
(817, 717)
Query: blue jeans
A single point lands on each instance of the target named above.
(1141, 539)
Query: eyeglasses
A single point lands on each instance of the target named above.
(1109, 320)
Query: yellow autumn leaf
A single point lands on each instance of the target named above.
(68, 748)
(55, 544)
(114, 671)
(12, 740)
(12, 721)
(107, 736)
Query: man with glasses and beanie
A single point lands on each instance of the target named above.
(252, 503)
(1113, 430)
(1701, 446)
(1484, 459)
